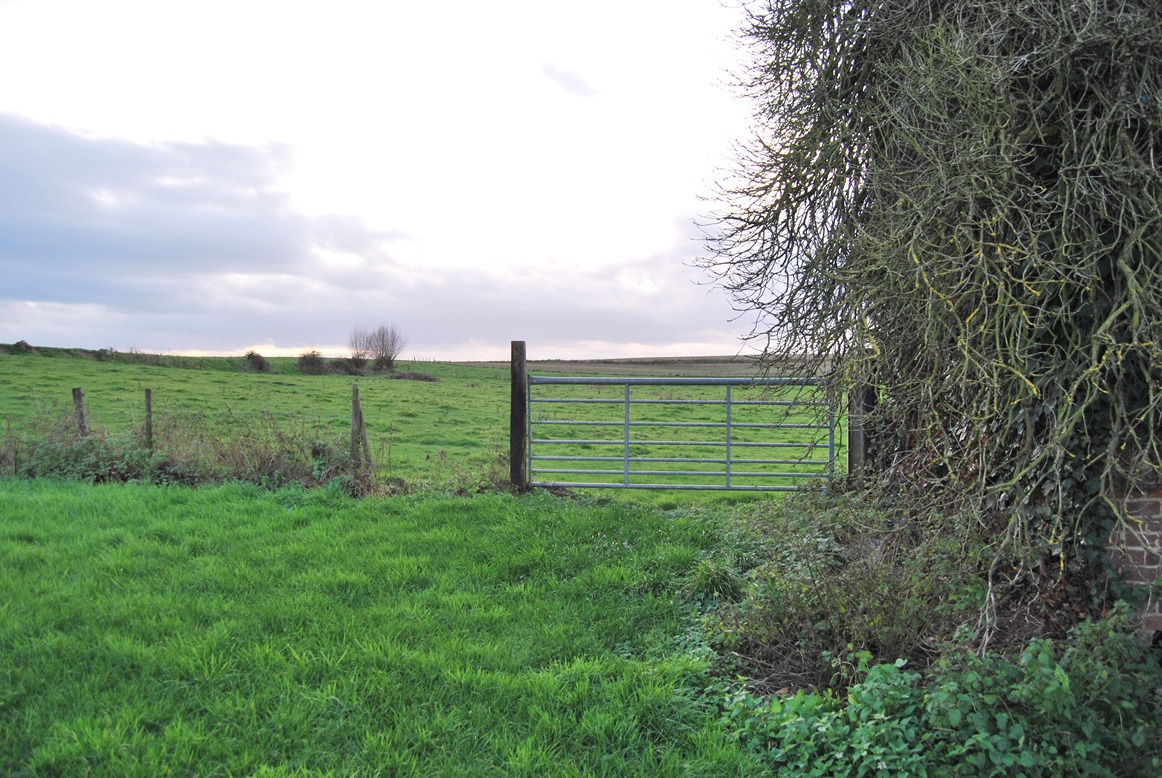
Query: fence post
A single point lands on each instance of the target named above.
(518, 421)
(149, 419)
(358, 433)
(861, 400)
(79, 403)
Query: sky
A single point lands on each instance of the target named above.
(216, 176)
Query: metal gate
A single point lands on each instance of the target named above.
(758, 434)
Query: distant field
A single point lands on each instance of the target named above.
(422, 432)
(721, 366)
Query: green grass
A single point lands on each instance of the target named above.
(233, 631)
(450, 435)
(447, 434)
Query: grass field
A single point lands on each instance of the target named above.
(425, 433)
(450, 434)
(234, 631)
(444, 626)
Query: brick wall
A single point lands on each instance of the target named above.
(1136, 552)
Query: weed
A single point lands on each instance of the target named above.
(1087, 705)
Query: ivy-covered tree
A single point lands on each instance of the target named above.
(959, 202)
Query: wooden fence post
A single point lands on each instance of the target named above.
(358, 433)
(79, 403)
(861, 400)
(149, 419)
(518, 422)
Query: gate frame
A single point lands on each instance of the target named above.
(520, 452)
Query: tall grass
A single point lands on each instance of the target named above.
(235, 631)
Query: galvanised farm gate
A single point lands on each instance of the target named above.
(754, 434)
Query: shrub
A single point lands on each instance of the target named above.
(382, 344)
(413, 375)
(256, 363)
(20, 347)
(312, 363)
(835, 578)
(344, 367)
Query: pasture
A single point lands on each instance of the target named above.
(213, 421)
(451, 629)
(444, 626)
(425, 433)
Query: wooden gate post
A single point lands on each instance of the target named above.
(518, 423)
(861, 400)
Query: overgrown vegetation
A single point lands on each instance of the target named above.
(852, 639)
(1086, 706)
(959, 204)
(832, 576)
(189, 449)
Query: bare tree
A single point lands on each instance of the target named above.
(381, 344)
(359, 342)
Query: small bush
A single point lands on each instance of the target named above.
(256, 363)
(312, 363)
(715, 579)
(837, 578)
(20, 347)
(413, 375)
(344, 367)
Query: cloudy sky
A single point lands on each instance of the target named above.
(211, 176)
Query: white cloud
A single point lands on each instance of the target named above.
(228, 172)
